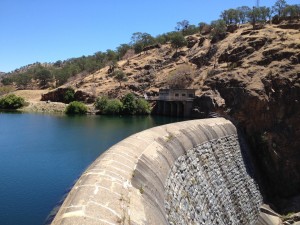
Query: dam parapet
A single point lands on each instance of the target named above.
(189, 172)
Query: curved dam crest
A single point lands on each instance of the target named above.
(189, 172)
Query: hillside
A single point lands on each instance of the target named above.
(245, 53)
(250, 77)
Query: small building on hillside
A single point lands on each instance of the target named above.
(176, 94)
(175, 102)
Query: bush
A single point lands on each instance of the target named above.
(113, 107)
(76, 108)
(178, 41)
(129, 104)
(218, 30)
(69, 95)
(101, 103)
(142, 107)
(11, 102)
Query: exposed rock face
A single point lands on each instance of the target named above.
(152, 47)
(58, 95)
(267, 108)
(84, 97)
(232, 28)
(191, 41)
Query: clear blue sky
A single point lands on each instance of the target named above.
(50, 30)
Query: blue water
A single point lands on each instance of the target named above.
(42, 155)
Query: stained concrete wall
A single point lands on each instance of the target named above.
(134, 182)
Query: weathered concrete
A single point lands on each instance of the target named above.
(132, 182)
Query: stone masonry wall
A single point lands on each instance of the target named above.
(210, 185)
(185, 173)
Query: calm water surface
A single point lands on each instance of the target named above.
(42, 155)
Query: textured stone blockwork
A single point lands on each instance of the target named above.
(190, 172)
(210, 185)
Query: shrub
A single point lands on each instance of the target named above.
(101, 103)
(69, 95)
(113, 107)
(142, 107)
(11, 102)
(76, 108)
(129, 104)
(218, 30)
(178, 41)
(120, 76)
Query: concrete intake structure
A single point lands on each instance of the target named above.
(189, 172)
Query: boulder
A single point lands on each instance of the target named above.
(151, 47)
(232, 28)
(191, 41)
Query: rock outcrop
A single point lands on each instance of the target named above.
(59, 94)
(266, 107)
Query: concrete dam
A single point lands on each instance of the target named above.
(190, 172)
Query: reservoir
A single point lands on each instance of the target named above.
(41, 156)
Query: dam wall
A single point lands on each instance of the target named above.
(189, 172)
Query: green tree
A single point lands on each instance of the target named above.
(122, 50)
(101, 103)
(11, 102)
(191, 29)
(230, 16)
(76, 108)
(291, 11)
(140, 40)
(113, 107)
(243, 12)
(182, 26)
(142, 107)
(7, 80)
(69, 95)
(129, 104)
(111, 55)
(44, 76)
(61, 76)
(255, 16)
(218, 30)
(178, 41)
(279, 7)
(22, 80)
(265, 13)
(120, 76)
(162, 39)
